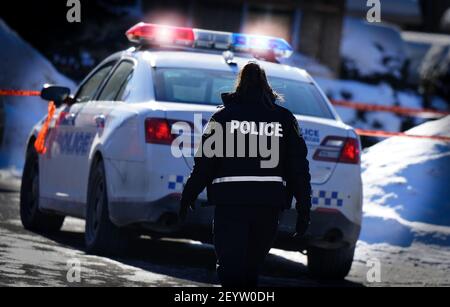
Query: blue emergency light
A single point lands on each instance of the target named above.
(179, 37)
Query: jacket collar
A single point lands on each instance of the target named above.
(229, 98)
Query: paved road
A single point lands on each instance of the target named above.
(28, 258)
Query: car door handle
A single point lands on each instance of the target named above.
(100, 121)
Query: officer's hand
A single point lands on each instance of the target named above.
(184, 207)
(303, 221)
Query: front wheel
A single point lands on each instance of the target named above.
(32, 218)
(333, 264)
(102, 237)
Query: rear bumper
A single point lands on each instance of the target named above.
(329, 229)
(160, 215)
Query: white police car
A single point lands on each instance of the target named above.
(109, 157)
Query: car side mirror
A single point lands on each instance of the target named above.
(55, 93)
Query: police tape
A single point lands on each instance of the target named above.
(386, 134)
(404, 111)
(39, 144)
(427, 113)
(19, 93)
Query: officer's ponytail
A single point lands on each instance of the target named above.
(252, 85)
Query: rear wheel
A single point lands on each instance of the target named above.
(102, 237)
(32, 218)
(333, 264)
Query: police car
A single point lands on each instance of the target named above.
(110, 161)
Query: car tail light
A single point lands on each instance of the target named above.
(164, 131)
(158, 131)
(338, 149)
(350, 153)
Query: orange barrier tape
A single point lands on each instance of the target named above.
(19, 93)
(379, 133)
(39, 145)
(425, 113)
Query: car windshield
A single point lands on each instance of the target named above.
(202, 86)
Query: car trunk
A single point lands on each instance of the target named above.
(314, 130)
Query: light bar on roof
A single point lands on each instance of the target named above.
(212, 39)
(169, 36)
(161, 34)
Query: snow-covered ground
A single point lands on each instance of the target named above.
(407, 188)
(22, 67)
(10, 178)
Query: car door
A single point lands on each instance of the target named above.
(93, 119)
(68, 146)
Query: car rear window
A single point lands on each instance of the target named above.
(202, 86)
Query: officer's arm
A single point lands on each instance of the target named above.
(202, 173)
(297, 167)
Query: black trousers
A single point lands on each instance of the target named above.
(243, 237)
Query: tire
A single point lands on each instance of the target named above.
(31, 216)
(333, 264)
(102, 237)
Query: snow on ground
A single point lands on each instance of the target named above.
(406, 188)
(22, 67)
(10, 179)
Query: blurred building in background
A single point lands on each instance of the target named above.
(319, 30)
(312, 27)
(404, 13)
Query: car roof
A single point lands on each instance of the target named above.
(216, 61)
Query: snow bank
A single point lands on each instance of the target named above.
(407, 188)
(22, 67)
(372, 49)
(381, 94)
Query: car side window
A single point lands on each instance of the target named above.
(115, 87)
(90, 87)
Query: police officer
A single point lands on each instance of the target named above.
(248, 191)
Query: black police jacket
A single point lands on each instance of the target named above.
(246, 170)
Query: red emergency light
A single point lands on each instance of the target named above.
(161, 34)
